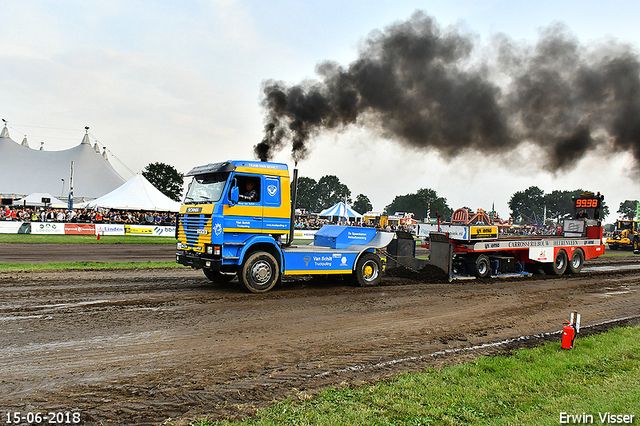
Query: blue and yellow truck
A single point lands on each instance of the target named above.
(237, 219)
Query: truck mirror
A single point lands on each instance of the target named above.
(234, 196)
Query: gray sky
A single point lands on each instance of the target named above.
(179, 82)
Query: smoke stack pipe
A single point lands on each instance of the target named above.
(294, 196)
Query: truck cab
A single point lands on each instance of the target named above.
(236, 217)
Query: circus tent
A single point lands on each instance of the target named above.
(136, 194)
(341, 211)
(24, 170)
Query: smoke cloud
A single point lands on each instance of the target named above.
(434, 88)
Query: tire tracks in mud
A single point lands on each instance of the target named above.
(141, 346)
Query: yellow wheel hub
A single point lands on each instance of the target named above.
(368, 270)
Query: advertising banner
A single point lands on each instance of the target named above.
(479, 232)
(48, 228)
(9, 227)
(109, 229)
(79, 229)
(456, 232)
(304, 234)
(150, 230)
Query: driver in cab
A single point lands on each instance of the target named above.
(249, 194)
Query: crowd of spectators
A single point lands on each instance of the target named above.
(124, 217)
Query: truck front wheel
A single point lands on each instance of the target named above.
(218, 277)
(259, 272)
(368, 270)
(559, 265)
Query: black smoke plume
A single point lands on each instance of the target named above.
(432, 88)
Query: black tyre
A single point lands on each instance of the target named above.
(577, 262)
(368, 270)
(260, 272)
(218, 277)
(636, 246)
(613, 246)
(479, 266)
(559, 265)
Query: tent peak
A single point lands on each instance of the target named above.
(5, 131)
(85, 138)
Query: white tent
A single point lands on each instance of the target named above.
(35, 200)
(135, 194)
(340, 210)
(26, 170)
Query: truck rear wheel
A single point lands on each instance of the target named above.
(636, 245)
(479, 266)
(559, 265)
(368, 270)
(577, 262)
(218, 277)
(259, 272)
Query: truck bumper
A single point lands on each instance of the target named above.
(198, 261)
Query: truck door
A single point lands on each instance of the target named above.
(246, 215)
(275, 213)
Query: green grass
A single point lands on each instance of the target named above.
(531, 387)
(59, 266)
(84, 239)
(617, 253)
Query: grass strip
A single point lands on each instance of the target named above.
(84, 239)
(617, 253)
(60, 266)
(531, 387)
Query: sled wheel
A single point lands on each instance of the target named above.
(576, 263)
(479, 266)
(218, 277)
(613, 247)
(368, 270)
(559, 265)
(259, 272)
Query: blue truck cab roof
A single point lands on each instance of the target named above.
(260, 167)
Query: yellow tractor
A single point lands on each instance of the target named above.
(626, 235)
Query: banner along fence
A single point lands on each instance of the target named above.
(60, 228)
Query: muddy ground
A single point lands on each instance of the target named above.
(144, 346)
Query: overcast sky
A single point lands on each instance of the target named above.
(179, 82)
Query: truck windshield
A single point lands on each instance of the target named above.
(206, 188)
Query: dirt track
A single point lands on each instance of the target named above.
(138, 347)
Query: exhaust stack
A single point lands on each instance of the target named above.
(294, 196)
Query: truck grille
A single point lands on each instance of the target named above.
(191, 224)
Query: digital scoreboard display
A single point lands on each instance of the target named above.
(587, 203)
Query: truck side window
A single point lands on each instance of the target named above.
(249, 189)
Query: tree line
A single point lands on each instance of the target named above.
(527, 206)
